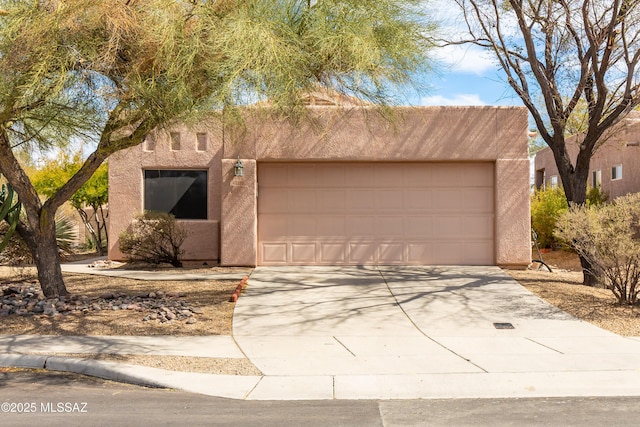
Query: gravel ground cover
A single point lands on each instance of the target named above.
(563, 288)
(103, 305)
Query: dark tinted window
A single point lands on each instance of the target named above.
(182, 193)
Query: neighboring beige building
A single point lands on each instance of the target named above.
(615, 167)
(437, 185)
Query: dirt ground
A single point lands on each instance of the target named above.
(211, 297)
(561, 288)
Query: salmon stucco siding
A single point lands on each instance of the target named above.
(435, 185)
(615, 167)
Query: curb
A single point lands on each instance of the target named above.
(239, 289)
(460, 385)
(225, 386)
(101, 369)
(31, 361)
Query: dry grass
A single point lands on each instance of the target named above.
(563, 288)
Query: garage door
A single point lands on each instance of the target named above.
(375, 213)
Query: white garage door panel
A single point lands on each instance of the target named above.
(376, 213)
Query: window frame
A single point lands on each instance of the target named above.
(616, 172)
(182, 211)
(596, 178)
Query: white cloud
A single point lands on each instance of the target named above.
(466, 59)
(457, 99)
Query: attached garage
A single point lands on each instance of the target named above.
(342, 186)
(348, 213)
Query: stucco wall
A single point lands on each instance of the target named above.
(414, 134)
(239, 214)
(429, 134)
(126, 184)
(621, 148)
(495, 134)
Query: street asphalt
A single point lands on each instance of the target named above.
(373, 332)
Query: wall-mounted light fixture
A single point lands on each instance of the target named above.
(237, 168)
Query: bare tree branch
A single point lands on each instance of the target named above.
(559, 55)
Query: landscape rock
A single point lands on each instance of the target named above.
(28, 300)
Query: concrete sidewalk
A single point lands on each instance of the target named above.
(376, 333)
(86, 267)
(31, 351)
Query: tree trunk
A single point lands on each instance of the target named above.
(590, 277)
(93, 234)
(575, 186)
(45, 253)
(47, 260)
(101, 221)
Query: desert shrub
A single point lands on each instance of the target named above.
(595, 196)
(16, 251)
(546, 206)
(155, 238)
(608, 236)
(66, 234)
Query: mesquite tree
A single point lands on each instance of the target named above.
(564, 59)
(113, 70)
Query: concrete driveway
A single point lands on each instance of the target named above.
(419, 332)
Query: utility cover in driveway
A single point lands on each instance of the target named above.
(376, 213)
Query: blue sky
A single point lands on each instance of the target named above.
(466, 75)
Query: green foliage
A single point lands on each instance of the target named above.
(16, 252)
(535, 145)
(104, 66)
(66, 235)
(546, 207)
(107, 73)
(596, 197)
(578, 120)
(608, 236)
(359, 47)
(93, 194)
(155, 238)
(51, 177)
